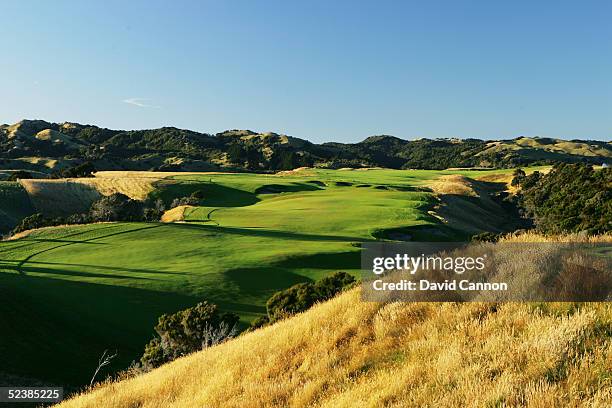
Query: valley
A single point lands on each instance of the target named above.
(80, 289)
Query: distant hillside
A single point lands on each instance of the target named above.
(36, 145)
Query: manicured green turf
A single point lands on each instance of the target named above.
(71, 292)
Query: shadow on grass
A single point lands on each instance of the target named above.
(336, 261)
(61, 241)
(20, 265)
(260, 232)
(215, 195)
(26, 269)
(31, 241)
(108, 268)
(423, 233)
(286, 188)
(263, 282)
(58, 328)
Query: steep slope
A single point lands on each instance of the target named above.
(348, 352)
(14, 204)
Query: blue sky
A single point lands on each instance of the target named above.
(320, 70)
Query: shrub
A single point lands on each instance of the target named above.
(188, 331)
(571, 198)
(329, 286)
(518, 177)
(301, 297)
(117, 207)
(31, 222)
(85, 169)
(77, 219)
(38, 220)
(487, 237)
(287, 302)
(153, 210)
(193, 199)
(261, 321)
(20, 174)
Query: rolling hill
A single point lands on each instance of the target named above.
(37, 145)
(71, 292)
(347, 352)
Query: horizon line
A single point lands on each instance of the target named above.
(416, 138)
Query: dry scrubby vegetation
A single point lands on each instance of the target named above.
(67, 196)
(204, 325)
(346, 353)
(352, 353)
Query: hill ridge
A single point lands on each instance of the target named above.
(175, 149)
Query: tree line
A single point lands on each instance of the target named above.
(570, 198)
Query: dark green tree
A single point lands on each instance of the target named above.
(299, 298)
(19, 174)
(117, 207)
(570, 198)
(188, 331)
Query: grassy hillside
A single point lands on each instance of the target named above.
(347, 353)
(51, 147)
(78, 290)
(62, 197)
(547, 147)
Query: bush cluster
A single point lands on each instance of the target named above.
(299, 298)
(194, 199)
(188, 331)
(570, 198)
(20, 174)
(115, 207)
(487, 237)
(85, 169)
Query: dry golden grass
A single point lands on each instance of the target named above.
(175, 214)
(70, 195)
(453, 184)
(301, 171)
(506, 178)
(60, 197)
(560, 146)
(348, 352)
(67, 196)
(577, 237)
(137, 188)
(47, 162)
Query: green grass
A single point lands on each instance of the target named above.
(71, 292)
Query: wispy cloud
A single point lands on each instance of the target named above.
(140, 102)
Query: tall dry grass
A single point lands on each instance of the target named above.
(60, 197)
(453, 184)
(348, 353)
(74, 195)
(175, 214)
(137, 188)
